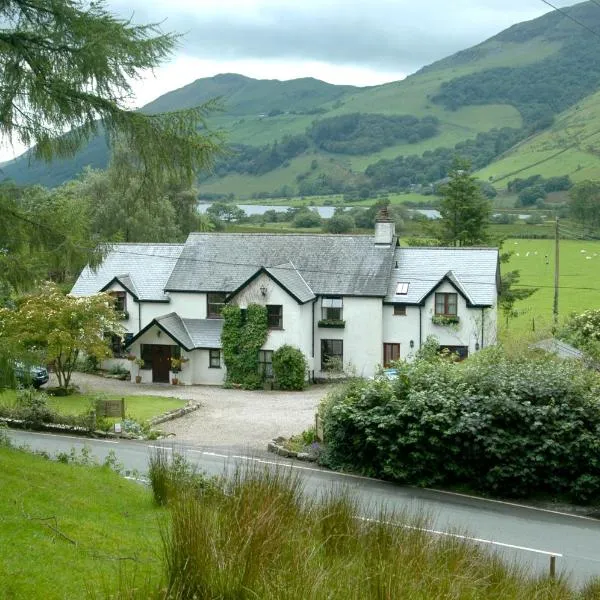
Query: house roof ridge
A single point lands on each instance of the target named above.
(461, 248)
(300, 275)
(186, 329)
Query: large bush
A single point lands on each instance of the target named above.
(512, 427)
(289, 368)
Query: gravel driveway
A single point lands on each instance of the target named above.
(233, 419)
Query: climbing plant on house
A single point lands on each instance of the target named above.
(243, 335)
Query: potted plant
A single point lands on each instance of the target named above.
(139, 362)
(175, 368)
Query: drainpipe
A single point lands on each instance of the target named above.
(482, 322)
(139, 316)
(420, 327)
(313, 336)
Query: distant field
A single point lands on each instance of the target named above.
(579, 284)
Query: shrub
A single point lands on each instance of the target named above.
(289, 368)
(514, 427)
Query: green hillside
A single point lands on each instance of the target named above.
(570, 147)
(517, 98)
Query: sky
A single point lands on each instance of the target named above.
(339, 41)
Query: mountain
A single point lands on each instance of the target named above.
(528, 92)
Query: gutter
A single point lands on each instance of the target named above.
(420, 328)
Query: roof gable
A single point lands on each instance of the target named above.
(143, 269)
(191, 334)
(472, 272)
(286, 277)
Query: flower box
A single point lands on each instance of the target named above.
(333, 323)
(445, 320)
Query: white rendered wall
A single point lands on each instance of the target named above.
(400, 329)
(297, 318)
(199, 370)
(187, 305)
(363, 349)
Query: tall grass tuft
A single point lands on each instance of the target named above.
(257, 535)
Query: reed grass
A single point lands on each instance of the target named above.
(257, 535)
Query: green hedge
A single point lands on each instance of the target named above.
(512, 427)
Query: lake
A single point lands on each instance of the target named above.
(325, 212)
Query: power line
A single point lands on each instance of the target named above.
(569, 16)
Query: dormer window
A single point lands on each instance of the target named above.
(402, 288)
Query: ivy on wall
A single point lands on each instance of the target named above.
(244, 333)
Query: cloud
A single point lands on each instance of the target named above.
(385, 35)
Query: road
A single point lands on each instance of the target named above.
(519, 533)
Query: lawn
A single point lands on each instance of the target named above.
(579, 286)
(111, 521)
(140, 408)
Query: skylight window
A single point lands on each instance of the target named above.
(402, 288)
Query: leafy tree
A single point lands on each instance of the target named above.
(530, 195)
(465, 213)
(222, 211)
(510, 292)
(119, 206)
(307, 218)
(339, 223)
(34, 245)
(585, 203)
(583, 331)
(59, 328)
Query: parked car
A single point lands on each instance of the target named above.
(33, 375)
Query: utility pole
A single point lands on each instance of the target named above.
(556, 272)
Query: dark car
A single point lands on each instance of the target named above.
(34, 375)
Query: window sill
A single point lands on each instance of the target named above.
(211, 367)
(276, 329)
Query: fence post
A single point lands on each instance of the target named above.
(553, 567)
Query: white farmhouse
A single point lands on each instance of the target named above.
(353, 299)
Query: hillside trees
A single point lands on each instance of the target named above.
(585, 203)
(464, 211)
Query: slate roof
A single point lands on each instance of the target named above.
(328, 264)
(189, 333)
(143, 268)
(473, 271)
(288, 276)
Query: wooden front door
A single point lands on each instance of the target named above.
(161, 363)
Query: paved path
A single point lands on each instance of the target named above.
(228, 418)
(524, 534)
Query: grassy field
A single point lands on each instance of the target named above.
(579, 284)
(65, 529)
(140, 408)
